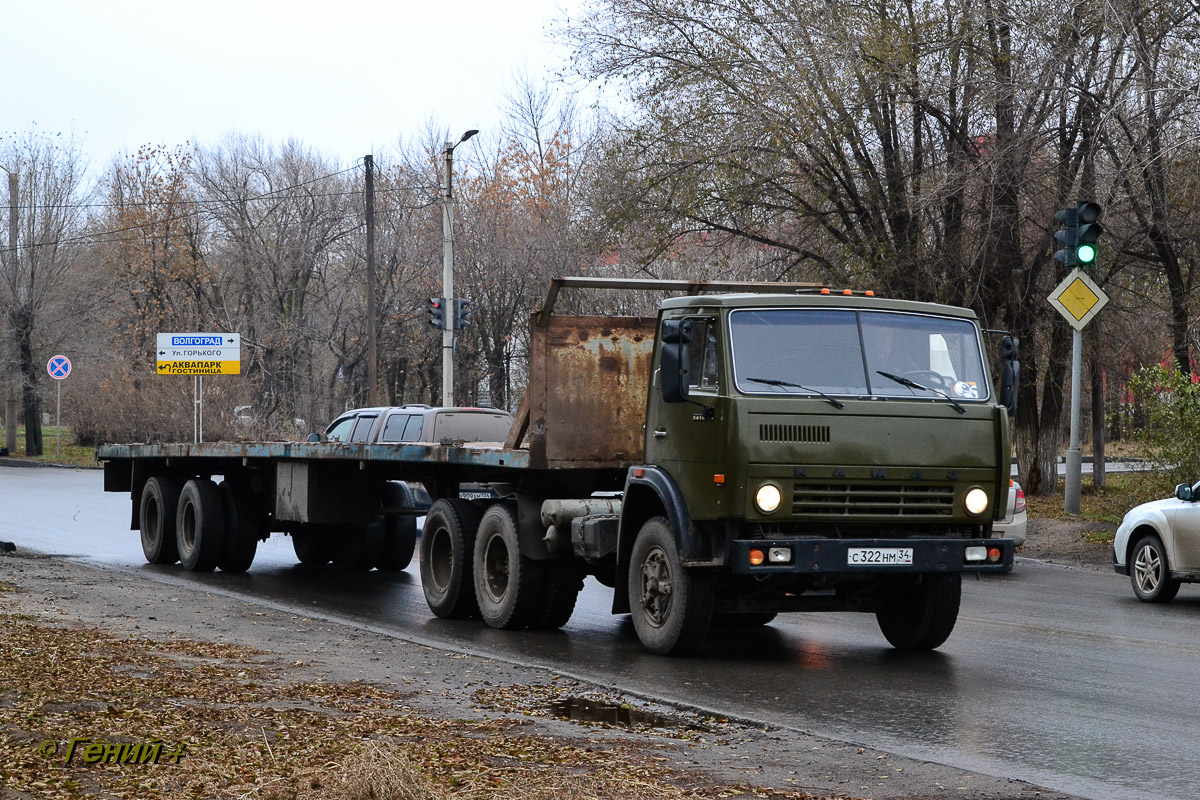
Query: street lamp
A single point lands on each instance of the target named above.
(10, 404)
(448, 268)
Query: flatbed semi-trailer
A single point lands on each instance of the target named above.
(770, 448)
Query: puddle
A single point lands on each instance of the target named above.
(583, 710)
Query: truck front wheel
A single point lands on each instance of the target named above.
(156, 514)
(200, 526)
(508, 586)
(447, 547)
(922, 615)
(672, 607)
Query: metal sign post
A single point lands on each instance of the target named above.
(1078, 298)
(59, 368)
(199, 354)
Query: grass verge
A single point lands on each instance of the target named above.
(54, 451)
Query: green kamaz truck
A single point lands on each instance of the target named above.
(755, 449)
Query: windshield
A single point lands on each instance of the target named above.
(842, 352)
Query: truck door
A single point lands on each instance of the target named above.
(687, 438)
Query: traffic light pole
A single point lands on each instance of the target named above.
(1081, 228)
(448, 279)
(1074, 475)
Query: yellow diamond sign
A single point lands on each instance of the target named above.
(1078, 299)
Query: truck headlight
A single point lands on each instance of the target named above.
(976, 501)
(767, 498)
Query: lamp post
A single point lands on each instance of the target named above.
(448, 269)
(10, 400)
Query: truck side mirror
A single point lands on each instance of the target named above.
(1184, 492)
(1010, 376)
(313, 438)
(676, 335)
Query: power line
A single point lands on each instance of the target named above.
(105, 236)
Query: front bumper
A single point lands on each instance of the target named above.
(823, 556)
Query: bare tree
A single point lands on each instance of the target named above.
(37, 267)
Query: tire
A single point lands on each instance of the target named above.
(672, 607)
(311, 548)
(359, 546)
(922, 615)
(508, 586)
(745, 619)
(399, 531)
(243, 529)
(447, 558)
(561, 587)
(200, 525)
(156, 515)
(1150, 573)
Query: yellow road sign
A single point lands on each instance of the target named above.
(200, 368)
(1078, 298)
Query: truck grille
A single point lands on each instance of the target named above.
(850, 500)
(779, 432)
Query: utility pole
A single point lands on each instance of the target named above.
(10, 392)
(448, 269)
(372, 352)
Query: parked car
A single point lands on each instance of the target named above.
(418, 423)
(1015, 518)
(1158, 545)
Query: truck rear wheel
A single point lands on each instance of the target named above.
(672, 607)
(447, 548)
(399, 531)
(311, 548)
(200, 526)
(563, 582)
(359, 546)
(241, 538)
(921, 616)
(508, 586)
(156, 515)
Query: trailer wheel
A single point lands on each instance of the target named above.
(563, 583)
(672, 607)
(400, 531)
(447, 548)
(508, 586)
(922, 615)
(241, 538)
(156, 512)
(359, 546)
(311, 548)
(200, 525)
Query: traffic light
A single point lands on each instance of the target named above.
(1081, 228)
(437, 312)
(1087, 231)
(1067, 235)
(462, 310)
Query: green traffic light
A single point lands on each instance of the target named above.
(1086, 254)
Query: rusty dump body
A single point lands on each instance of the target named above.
(586, 402)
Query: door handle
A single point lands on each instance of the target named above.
(660, 434)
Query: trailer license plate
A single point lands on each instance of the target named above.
(879, 556)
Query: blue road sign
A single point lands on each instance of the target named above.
(59, 367)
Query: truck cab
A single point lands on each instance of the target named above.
(815, 452)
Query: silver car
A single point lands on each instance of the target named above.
(1015, 518)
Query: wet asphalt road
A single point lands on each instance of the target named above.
(1054, 676)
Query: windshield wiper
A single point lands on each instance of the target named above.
(914, 385)
(773, 382)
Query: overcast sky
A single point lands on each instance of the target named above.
(346, 77)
